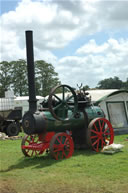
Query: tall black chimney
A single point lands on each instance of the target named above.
(31, 72)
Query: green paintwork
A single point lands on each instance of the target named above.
(73, 123)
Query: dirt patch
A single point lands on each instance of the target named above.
(3, 136)
(126, 139)
(7, 187)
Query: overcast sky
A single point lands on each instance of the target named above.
(86, 41)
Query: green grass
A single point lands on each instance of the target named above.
(84, 172)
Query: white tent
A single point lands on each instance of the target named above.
(11, 102)
(22, 101)
(98, 94)
(115, 107)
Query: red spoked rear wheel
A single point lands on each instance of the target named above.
(61, 146)
(28, 144)
(100, 134)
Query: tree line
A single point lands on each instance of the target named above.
(13, 75)
(110, 83)
(113, 83)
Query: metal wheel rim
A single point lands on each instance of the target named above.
(52, 94)
(28, 140)
(100, 134)
(61, 146)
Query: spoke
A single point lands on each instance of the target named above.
(100, 125)
(59, 105)
(95, 127)
(95, 142)
(57, 154)
(55, 146)
(103, 143)
(35, 152)
(32, 153)
(57, 97)
(97, 148)
(65, 141)
(67, 94)
(32, 139)
(63, 94)
(58, 150)
(93, 137)
(63, 153)
(100, 131)
(37, 140)
(69, 98)
(61, 139)
(27, 150)
(58, 147)
(67, 148)
(107, 133)
(106, 129)
(93, 131)
(58, 140)
(103, 125)
(62, 147)
(27, 140)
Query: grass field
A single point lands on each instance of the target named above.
(84, 172)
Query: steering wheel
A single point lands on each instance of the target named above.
(63, 106)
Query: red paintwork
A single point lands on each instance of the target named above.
(61, 145)
(102, 133)
(41, 144)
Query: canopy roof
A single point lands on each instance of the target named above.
(110, 94)
(24, 98)
(100, 93)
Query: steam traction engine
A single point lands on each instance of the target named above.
(65, 121)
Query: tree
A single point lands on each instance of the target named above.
(46, 77)
(19, 77)
(110, 83)
(5, 77)
(86, 87)
(125, 84)
(13, 75)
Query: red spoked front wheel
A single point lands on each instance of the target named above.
(100, 134)
(31, 145)
(61, 146)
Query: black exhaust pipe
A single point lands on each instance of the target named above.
(31, 71)
(33, 121)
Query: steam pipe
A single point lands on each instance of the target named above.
(31, 72)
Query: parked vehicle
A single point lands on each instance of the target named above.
(64, 121)
(12, 110)
(9, 117)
